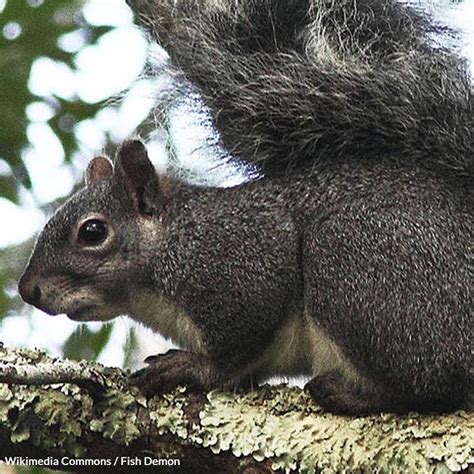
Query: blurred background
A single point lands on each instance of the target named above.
(72, 86)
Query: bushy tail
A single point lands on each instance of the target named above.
(291, 83)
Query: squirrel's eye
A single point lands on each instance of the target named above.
(92, 232)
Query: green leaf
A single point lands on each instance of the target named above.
(87, 344)
(131, 345)
(7, 187)
(35, 33)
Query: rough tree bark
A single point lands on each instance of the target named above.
(63, 411)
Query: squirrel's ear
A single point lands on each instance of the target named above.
(135, 170)
(99, 168)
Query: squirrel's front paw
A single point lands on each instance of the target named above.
(175, 367)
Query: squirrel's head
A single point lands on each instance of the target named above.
(92, 252)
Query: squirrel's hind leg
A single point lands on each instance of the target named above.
(339, 392)
(336, 392)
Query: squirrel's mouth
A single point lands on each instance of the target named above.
(85, 313)
(96, 311)
(48, 311)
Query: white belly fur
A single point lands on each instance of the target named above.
(165, 318)
(300, 346)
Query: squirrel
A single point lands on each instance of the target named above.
(348, 260)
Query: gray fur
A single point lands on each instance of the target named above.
(350, 261)
(292, 83)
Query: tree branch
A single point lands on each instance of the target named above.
(56, 371)
(45, 414)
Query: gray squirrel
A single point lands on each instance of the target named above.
(349, 261)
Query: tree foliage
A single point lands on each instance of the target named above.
(33, 29)
(55, 31)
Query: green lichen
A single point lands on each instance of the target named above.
(280, 424)
(31, 356)
(116, 420)
(167, 413)
(56, 416)
(46, 416)
(285, 426)
(6, 396)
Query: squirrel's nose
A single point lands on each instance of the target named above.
(30, 290)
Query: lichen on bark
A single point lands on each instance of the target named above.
(272, 427)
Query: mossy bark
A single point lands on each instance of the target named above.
(272, 428)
